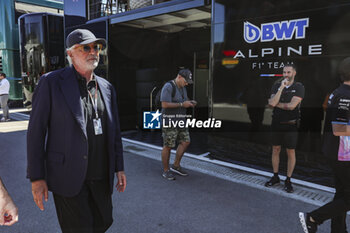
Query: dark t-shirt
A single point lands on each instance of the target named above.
(338, 112)
(97, 155)
(281, 115)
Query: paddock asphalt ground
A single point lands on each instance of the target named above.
(216, 197)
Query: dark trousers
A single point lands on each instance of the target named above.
(88, 212)
(336, 209)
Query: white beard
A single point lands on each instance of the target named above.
(87, 65)
(92, 66)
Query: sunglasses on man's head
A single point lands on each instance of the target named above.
(87, 48)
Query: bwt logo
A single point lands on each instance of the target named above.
(284, 30)
(151, 120)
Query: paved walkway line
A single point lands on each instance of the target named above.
(304, 191)
(204, 157)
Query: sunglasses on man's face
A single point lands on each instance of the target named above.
(87, 48)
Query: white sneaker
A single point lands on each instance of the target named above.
(3, 119)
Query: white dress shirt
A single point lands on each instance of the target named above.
(4, 86)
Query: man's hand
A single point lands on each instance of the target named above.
(188, 104)
(194, 103)
(8, 210)
(284, 83)
(39, 189)
(121, 184)
(275, 98)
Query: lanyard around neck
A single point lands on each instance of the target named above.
(94, 101)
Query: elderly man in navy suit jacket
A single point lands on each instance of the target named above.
(74, 144)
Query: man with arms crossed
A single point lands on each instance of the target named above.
(73, 141)
(285, 100)
(336, 146)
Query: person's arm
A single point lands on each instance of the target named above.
(119, 160)
(185, 104)
(341, 118)
(36, 136)
(291, 105)
(7, 86)
(166, 98)
(275, 98)
(8, 209)
(340, 129)
(4, 86)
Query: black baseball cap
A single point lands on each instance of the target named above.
(187, 74)
(82, 36)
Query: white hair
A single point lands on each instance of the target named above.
(69, 59)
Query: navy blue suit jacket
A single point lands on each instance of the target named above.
(57, 145)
